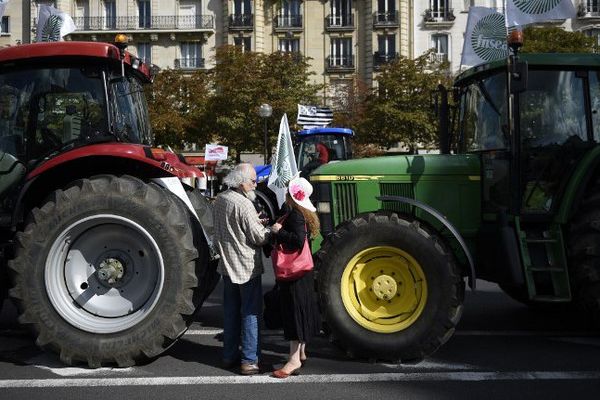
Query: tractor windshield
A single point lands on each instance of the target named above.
(314, 150)
(483, 115)
(130, 111)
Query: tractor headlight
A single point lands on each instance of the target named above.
(324, 207)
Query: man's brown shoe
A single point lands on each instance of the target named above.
(249, 369)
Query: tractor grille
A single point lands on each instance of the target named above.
(345, 201)
(397, 189)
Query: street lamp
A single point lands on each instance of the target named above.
(265, 112)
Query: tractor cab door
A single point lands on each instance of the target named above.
(554, 137)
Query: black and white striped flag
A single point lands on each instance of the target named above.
(314, 116)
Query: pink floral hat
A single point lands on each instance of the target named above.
(300, 189)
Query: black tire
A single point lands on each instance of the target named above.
(267, 202)
(141, 225)
(388, 236)
(584, 258)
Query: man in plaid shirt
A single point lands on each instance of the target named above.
(239, 236)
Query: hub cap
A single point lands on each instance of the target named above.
(384, 289)
(104, 273)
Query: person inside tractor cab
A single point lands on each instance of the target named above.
(318, 154)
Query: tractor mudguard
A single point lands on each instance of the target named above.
(437, 215)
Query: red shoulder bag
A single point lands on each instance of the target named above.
(290, 265)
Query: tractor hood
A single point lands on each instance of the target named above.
(405, 165)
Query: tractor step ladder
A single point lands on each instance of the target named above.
(544, 261)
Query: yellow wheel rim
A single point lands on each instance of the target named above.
(384, 289)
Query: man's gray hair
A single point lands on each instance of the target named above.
(239, 175)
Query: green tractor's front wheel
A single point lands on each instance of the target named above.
(388, 288)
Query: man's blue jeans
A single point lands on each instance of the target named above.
(242, 306)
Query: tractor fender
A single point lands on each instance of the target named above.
(442, 219)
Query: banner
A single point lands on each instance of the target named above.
(314, 116)
(485, 37)
(523, 12)
(215, 152)
(53, 24)
(284, 166)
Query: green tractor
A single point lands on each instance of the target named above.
(514, 198)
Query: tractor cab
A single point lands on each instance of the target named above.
(318, 146)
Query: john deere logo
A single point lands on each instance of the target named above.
(488, 39)
(536, 6)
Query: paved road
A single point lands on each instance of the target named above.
(501, 349)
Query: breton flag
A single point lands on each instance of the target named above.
(314, 116)
(53, 24)
(2, 8)
(283, 165)
(523, 12)
(485, 37)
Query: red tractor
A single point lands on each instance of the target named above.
(105, 246)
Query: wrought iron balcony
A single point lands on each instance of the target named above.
(339, 22)
(189, 63)
(288, 22)
(241, 21)
(380, 59)
(385, 19)
(340, 63)
(439, 57)
(439, 15)
(157, 22)
(589, 10)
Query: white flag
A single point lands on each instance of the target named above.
(53, 24)
(485, 37)
(523, 12)
(283, 166)
(314, 116)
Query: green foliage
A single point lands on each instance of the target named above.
(222, 105)
(400, 109)
(557, 40)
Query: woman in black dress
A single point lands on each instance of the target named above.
(300, 313)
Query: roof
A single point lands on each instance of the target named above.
(69, 49)
(539, 59)
(326, 131)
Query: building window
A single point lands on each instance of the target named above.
(341, 13)
(439, 10)
(191, 55)
(244, 42)
(593, 33)
(386, 45)
(386, 11)
(289, 14)
(5, 25)
(289, 45)
(592, 6)
(144, 51)
(440, 44)
(189, 15)
(110, 14)
(341, 53)
(145, 17)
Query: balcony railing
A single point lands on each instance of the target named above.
(288, 21)
(385, 19)
(380, 59)
(340, 63)
(241, 21)
(339, 22)
(439, 57)
(439, 15)
(189, 63)
(155, 22)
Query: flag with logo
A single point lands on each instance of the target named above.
(485, 37)
(311, 116)
(2, 8)
(53, 24)
(283, 166)
(523, 12)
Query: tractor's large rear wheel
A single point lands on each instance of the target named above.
(584, 258)
(105, 271)
(388, 288)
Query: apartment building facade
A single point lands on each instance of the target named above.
(14, 25)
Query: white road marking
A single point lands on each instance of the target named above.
(339, 378)
(205, 331)
(52, 364)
